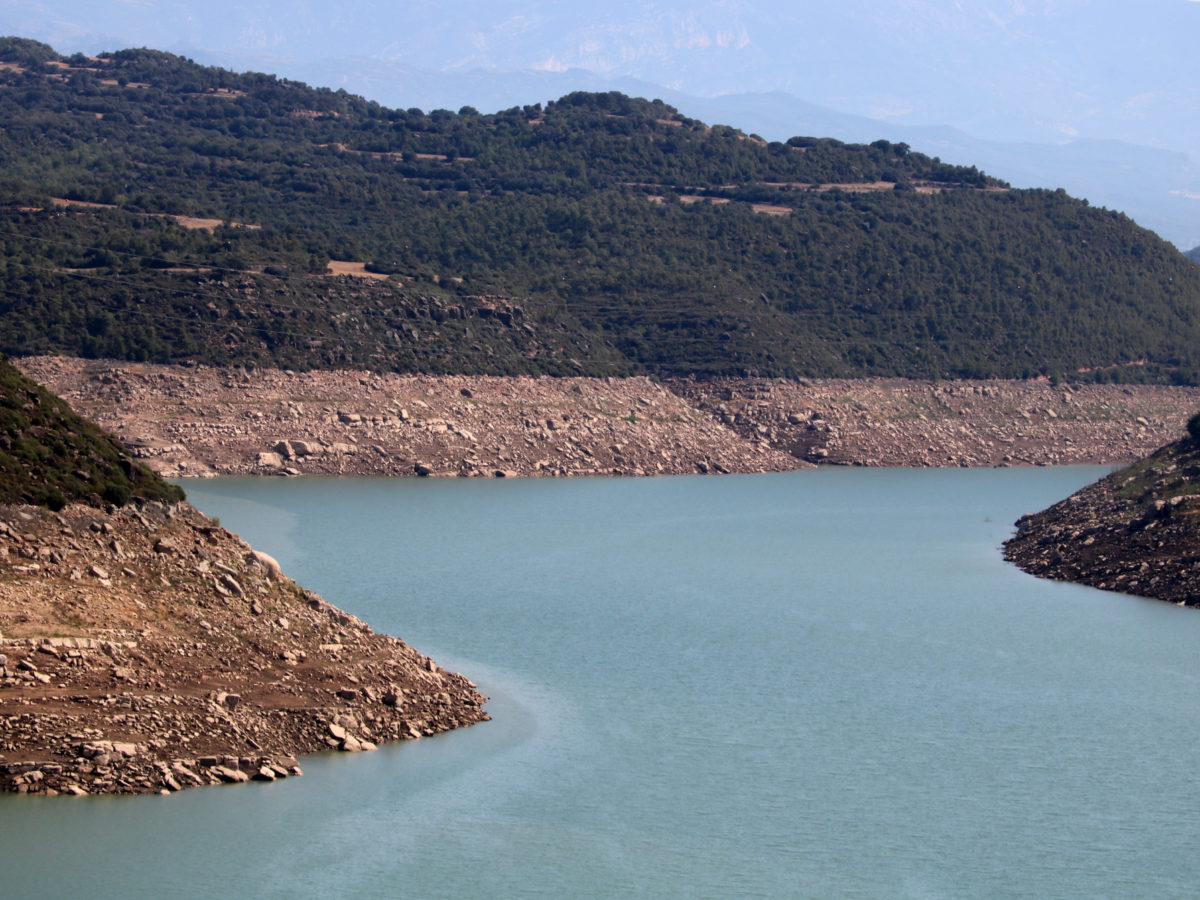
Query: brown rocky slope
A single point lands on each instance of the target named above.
(1136, 531)
(143, 648)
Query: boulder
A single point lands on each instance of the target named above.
(187, 774)
(229, 775)
(268, 562)
(231, 583)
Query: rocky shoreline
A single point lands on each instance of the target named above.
(197, 421)
(145, 649)
(1134, 531)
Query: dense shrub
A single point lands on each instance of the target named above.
(1193, 427)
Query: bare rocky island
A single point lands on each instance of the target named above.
(143, 648)
(199, 421)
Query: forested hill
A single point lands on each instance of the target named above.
(151, 208)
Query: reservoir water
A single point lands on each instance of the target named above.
(819, 684)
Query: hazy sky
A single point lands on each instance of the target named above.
(1003, 69)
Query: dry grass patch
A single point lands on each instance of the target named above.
(353, 269)
(62, 201)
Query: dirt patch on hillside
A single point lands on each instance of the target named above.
(63, 202)
(771, 210)
(354, 269)
(191, 222)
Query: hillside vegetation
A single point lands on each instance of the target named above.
(50, 456)
(153, 209)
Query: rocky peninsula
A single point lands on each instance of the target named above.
(1136, 531)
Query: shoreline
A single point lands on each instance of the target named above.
(145, 649)
(200, 421)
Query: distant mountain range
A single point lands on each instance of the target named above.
(1036, 70)
(151, 208)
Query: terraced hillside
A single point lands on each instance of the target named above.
(153, 209)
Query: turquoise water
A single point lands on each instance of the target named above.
(817, 684)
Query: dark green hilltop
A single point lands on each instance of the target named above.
(597, 235)
(49, 456)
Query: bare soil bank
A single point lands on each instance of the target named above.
(200, 421)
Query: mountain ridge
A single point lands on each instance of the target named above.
(597, 235)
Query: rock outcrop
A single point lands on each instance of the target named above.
(1136, 531)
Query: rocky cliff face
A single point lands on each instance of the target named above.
(1136, 531)
(144, 648)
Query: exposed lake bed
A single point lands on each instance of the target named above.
(197, 421)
